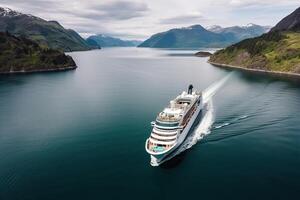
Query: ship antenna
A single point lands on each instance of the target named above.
(190, 90)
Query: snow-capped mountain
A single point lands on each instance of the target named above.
(214, 28)
(7, 12)
(241, 32)
(197, 36)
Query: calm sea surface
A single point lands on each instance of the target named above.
(80, 134)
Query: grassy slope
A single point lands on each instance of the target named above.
(21, 54)
(273, 51)
(52, 35)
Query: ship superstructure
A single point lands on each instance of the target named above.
(173, 124)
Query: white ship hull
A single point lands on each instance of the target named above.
(156, 159)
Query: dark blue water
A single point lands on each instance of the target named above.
(80, 134)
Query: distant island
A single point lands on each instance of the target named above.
(277, 51)
(48, 34)
(107, 41)
(203, 54)
(22, 55)
(197, 36)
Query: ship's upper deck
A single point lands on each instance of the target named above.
(177, 108)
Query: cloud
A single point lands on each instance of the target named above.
(114, 10)
(117, 10)
(126, 10)
(142, 18)
(31, 5)
(184, 19)
(264, 3)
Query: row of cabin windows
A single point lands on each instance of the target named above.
(159, 134)
(166, 125)
(162, 140)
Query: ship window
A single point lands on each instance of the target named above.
(163, 140)
(165, 134)
(166, 125)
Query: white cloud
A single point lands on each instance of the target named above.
(184, 19)
(141, 18)
(240, 3)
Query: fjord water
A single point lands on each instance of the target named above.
(80, 134)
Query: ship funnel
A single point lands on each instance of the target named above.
(190, 90)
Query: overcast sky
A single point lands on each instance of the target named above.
(138, 19)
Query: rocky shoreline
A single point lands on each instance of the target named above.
(276, 73)
(40, 70)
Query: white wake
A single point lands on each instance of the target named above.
(204, 127)
(209, 92)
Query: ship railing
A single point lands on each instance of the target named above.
(168, 119)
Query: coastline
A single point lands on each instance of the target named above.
(276, 73)
(40, 70)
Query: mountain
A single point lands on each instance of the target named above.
(197, 36)
(238, 33)
(19, 55)
(107, 41)
(277, 50)
(46, 33)
(290, 22)
(214, 28)
(189, 37)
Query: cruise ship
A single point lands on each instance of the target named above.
(174, 124)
